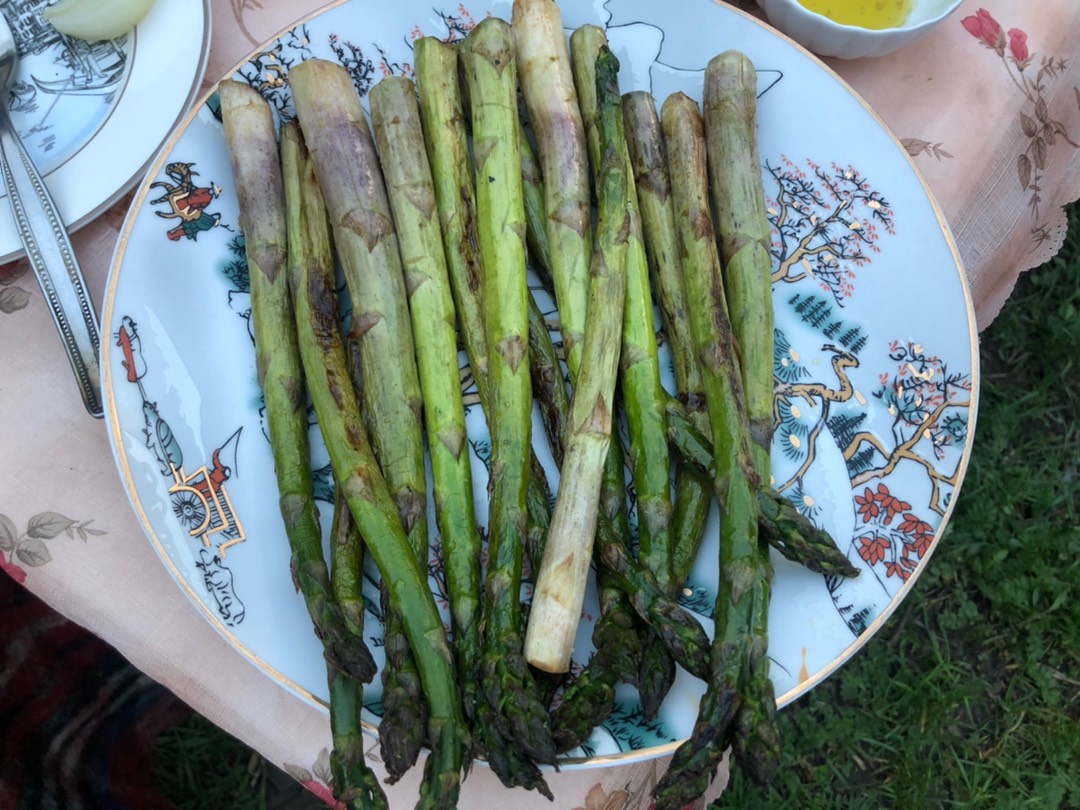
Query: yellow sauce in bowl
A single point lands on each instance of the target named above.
(875, 14)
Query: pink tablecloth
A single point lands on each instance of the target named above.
(993, 124)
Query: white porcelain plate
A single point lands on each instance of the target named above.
(875, 361)
(92, 115)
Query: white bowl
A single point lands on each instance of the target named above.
(824, 37)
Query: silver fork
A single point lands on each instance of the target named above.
(47, 245)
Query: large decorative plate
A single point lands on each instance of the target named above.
(93, 114)
(875, 359)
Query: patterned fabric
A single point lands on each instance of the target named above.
(79, 721)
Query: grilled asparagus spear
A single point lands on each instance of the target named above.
(344, 157)
(253, 150)
(739, 200)
(395, 118)
(547, 86)
(355, 784)
(693, 496)
(639, 365)
(744, 591)
(514, 724)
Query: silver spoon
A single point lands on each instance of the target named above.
(47, 245)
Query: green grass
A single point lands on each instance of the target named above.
(199, 766)
(969, 697)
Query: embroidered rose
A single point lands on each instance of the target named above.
(12, 570)
(1018, 47)
(323, 793)
(1042, 131)
(985, 28)
(319, 780)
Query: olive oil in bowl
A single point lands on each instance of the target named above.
(875, 14)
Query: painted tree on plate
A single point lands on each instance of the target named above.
(804, 402)
(267, 71)
(929, 405)
(826, 224)
(352, 57)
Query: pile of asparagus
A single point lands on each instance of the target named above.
(434, 213)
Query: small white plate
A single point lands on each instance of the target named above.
(92, 115)
(875, 363)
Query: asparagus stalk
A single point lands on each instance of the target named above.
(616, 636)
(619, 637)
(532, 187)
(674, 627)
(547, 86)
(443, 115)
(590, 698)
(671, 633)
(559, 253)
(514, 724)
(249, 130)
(744, 591)
(656, 675)
(395, 117)
(640, 387)
(376, 515)
(549, 388)
(347, 166)
(637, 651)
(618, 633)
(739, 199)
(355, 784)
(660, 620)
(644, 142)
(642, 393)
(780, 524)
(655, 671)
(532, 191)
(745, 238)
(620, 640)
(789, 531)
(345, 162)
(693, 497)
(679, 632)
(560, 587)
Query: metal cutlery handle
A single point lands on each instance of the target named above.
(50, 254)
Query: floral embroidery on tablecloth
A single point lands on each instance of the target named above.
(599, 799)
(635, 794)
(239, 9)
(18, 549)
(1041, 129)
(13, 296)
(319, 780)
(917, 146)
